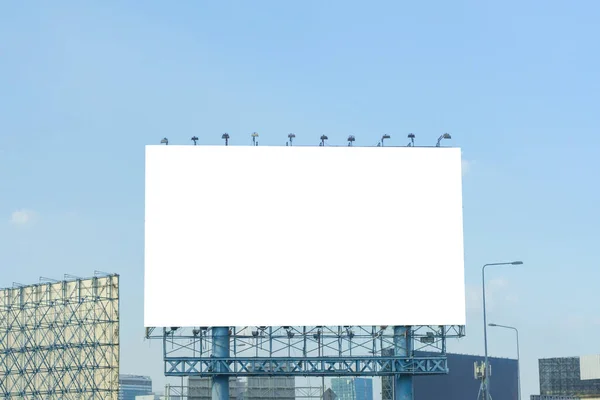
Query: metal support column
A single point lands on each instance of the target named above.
(220, 383)
(403, 383)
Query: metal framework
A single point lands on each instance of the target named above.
(304, 351)
(60, 339)
(561, 377)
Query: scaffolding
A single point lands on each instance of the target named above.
(60, 339)
(561, 377)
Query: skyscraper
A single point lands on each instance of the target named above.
(134, 385)
(352, 388)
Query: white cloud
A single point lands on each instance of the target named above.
(22, 217)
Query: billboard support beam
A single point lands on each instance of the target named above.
(403, 383)
(306, 351)
(220, 382)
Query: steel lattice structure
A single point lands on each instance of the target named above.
(306, 351)
(60, 340)
(562, 377)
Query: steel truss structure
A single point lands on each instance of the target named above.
(60, 339)
(561, 377)
(306, 350)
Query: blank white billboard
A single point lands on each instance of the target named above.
(303, 236)
(589, 367)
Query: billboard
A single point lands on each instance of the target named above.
(60, 340)
(589, 367)
(300, 236)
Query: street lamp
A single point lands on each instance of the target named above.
(164, 141)
(351, 140)
(194, 139)
(383, 138)
(226, 137)
(485, 381)
(518, 355)
(444, 136)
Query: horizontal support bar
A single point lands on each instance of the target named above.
(313, 366)
(327, 332)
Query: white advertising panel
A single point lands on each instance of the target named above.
(589, 367)
(293, 236)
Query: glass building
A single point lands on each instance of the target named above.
(134, 385)
(352, 388)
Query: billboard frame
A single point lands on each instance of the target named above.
(306, 351)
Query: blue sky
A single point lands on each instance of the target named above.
(84, 86)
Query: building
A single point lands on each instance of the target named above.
(352, 388)
(275, 388)
(329, 395)
(200, 388)
(131, 386)
(251, 388)
(561, 378)
(460, 382)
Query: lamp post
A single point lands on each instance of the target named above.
(518, 356)
(485, 383)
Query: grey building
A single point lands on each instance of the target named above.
(329, 395)
(131, 386)
(460, 382)
(200, 388)
(251, 388)
(272, 388)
